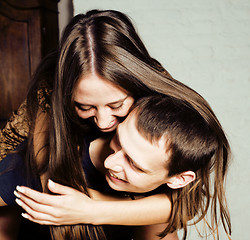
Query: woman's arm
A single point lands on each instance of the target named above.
(149, 210)
(73, 207)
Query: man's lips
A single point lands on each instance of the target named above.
(112, 175)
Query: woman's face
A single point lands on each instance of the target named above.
(101, 101)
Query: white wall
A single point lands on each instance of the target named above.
(65, 10)
(206, 45)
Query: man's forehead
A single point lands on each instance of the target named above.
(131, 121)
(139, 149)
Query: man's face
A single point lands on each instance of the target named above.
(136, 164)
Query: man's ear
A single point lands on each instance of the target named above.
(181, 180)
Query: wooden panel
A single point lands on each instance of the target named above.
(27, 33)
(25, 4)
(15, 64)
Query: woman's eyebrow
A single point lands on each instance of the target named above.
(120, 100)
(81, 104)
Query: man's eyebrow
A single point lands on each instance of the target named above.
(136, 165)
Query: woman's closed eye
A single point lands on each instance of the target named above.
(83, 107)
(117, 106)
(89, 107)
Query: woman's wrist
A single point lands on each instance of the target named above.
(145, 211)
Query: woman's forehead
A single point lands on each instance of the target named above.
(92, 86)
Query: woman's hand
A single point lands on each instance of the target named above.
(68, 208)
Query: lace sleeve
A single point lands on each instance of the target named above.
(18, 126)
(15, 131)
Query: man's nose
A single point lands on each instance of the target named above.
(114, 161)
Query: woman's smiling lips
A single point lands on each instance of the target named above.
(111, 125)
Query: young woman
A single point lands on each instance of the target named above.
(104, 47)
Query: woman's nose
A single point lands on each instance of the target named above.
(103, 118)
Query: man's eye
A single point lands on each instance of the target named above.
(132, 163)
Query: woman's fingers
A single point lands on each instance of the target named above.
(37, 196)
(42, 222)
(29, 204)
(69, 206)
(35, 216)
(58, 188)
(42, 197)
(38, 205)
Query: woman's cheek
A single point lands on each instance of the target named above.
(126, 108)
(125, 111)
(131, 101)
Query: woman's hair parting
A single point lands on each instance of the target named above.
(194, 145)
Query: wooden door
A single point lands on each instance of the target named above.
(28, 31)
